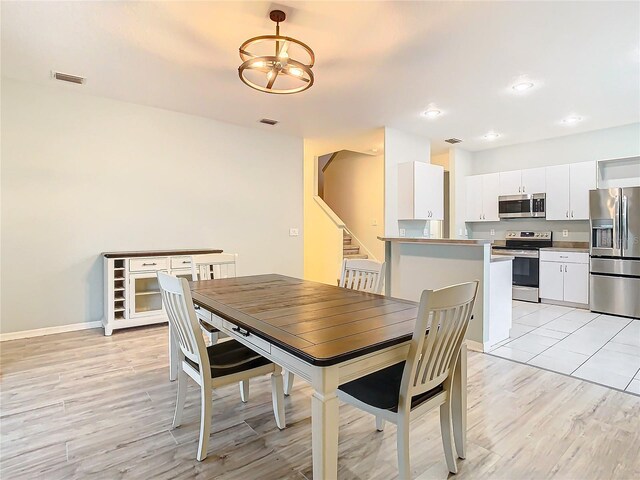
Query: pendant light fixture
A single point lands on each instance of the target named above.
(275, 63)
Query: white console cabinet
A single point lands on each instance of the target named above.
(131, 293)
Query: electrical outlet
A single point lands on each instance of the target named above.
(403, 232)
(293, 232)
(460, 232)
(425, 232)
(374, 222)
(565, 233)
(493, 232)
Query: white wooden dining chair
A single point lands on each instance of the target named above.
(409, 389)
(210, 267)
(214, 366)
(362, 275)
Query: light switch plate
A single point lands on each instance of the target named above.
(403, 232)
(565, 233)
(493, 232)
(293, 232)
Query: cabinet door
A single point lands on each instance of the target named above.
(490, 185)
(144, 294)
(557, 186)
(534, 180)
(473, 198)
(576, 283)
(435, 191)
(510, 183)
(551, 280)
(582, 178)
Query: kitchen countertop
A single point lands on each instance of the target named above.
(435, 241)
(566, 249)
(501, 258)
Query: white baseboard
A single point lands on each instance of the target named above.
(39, 332)
(475, 346)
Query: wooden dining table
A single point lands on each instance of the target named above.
(324, 334)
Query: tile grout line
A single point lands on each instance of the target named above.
(632, 378)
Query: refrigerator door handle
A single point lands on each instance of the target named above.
(616, 223)
(624, 234)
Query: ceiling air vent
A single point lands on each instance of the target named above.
(453, 141)
(67, 77)
(268, 121)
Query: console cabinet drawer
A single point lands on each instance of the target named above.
(243, 336)
(564, 257)
(180, 262)
(148, 264)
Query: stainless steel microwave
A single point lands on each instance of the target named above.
(530, 205)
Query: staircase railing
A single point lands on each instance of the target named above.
(340, 224)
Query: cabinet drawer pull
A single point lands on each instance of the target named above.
(149, 264)
(565, 269)
(242, 332)
(196, 307)
(186, 261)
(564, 256)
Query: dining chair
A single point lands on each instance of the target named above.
(409, 389)
(210, 367)
(362, 275)
(210, 267)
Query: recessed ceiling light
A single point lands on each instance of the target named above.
(431, 113)
(491, 136)
(572, 120)
(521, 87)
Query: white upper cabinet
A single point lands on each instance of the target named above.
(490, 185)
(582, 178)
(557, 199)
(568, 190)
(534, 180)
(510, 183)
(420, 191)
(481, 198)
(518, 182)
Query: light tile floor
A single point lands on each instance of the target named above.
(600, 348)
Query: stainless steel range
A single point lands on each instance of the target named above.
(525, 247)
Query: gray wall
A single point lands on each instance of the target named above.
(82, 175)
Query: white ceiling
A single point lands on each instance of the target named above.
(378, 63)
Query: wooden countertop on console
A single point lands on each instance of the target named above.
(435, 241)
(161, 253)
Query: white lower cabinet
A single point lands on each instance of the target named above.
(564, 277)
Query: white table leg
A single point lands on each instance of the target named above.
(459, 403)
(324, 423)
(173, 356)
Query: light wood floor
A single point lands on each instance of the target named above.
(81, 405)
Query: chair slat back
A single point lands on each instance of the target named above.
(213, 266)
(178, 304)
(443, 318)
(362, 275)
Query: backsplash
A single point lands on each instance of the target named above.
(578, 230)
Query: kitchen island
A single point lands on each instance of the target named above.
(416, 264)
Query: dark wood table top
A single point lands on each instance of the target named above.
(322, 324)
(161, 253)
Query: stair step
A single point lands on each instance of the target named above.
(362, 256)
(346, 241)
(351, 249)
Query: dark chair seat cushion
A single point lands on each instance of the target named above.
(231, 357)
(381, 389)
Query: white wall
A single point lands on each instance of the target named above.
(82, 175)
(595, 145)
(353, 188)
(399, 147)
(615, 142)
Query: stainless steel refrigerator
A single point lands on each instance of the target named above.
(615, 251)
